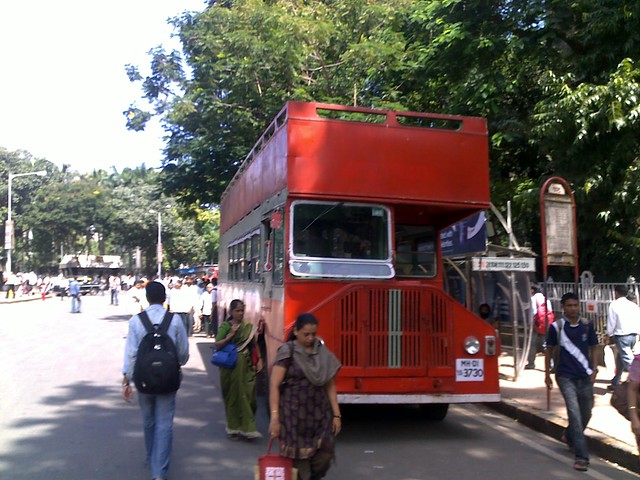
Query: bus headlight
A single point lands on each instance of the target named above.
(471, 345)
(490, 345)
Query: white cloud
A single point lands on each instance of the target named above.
(63, 86)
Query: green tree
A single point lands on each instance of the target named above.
(556, 81)
(23, 194)
(67, 213)
(591, 131)
(135, 202)
(247, 60)
(559, 89)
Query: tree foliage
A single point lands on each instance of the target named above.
(247, 60)
(556, 80)
(101, 213)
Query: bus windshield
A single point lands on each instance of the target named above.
(336, 239)
(415, 251)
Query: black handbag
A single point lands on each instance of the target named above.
(619, 399)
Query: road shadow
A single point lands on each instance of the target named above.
(116, 318)
(87, 431)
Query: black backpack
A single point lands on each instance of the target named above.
(157, 369)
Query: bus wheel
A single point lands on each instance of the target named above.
(434, 411)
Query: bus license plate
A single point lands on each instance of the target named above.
(469, 369)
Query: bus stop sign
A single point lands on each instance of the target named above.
(503, 264)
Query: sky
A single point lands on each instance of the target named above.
(63, 85)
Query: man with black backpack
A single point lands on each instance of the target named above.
(156, 347)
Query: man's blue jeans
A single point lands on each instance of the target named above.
(114, 297)
(157, 419)
(75, 303)
(578, 397)
(624, 355)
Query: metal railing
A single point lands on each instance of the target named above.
(595, 299)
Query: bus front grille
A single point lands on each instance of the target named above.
(394, 327)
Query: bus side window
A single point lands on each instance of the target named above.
(274, 253)
(278, 255)
(415, 251)
(255, 257)
(267, 253)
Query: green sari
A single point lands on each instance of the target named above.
(239, 386)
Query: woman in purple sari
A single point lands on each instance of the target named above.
(305, 414)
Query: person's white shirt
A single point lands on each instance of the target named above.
(206, 302)
(184, 299)
(538, 299)
(624, 317)
(137, 299)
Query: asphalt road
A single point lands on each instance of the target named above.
(61, 417)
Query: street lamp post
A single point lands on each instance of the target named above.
(8, 235)
(159, 245)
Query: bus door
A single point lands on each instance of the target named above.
(273, 228)
(267, 271)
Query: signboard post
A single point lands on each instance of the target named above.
(502, 264)
(506, 264)
(8, 234)
(558, 229)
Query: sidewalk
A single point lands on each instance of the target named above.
(23, 298)
(608, 434)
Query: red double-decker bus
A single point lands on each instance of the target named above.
(337, 211)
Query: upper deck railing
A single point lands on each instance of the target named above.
(322, 111)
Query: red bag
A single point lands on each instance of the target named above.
(541, 313)
(274, 466)
(255, 356)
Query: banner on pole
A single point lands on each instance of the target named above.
(8, 235)
(559, 233)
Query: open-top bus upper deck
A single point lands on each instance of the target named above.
(316, 150)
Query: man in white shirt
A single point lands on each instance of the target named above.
(539, 330)
(114, 287)
(194, 296)
(623, 325)
(184, 302)
(137, 297)
(207, 303)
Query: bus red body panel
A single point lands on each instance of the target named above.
(337, 211)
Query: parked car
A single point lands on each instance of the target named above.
(87, 287)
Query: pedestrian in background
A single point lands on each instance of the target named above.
(239, 383)
(206, 309)
(114, 287)
(45, 287)
(137, 297)
(541, 316)
(12, 282)
(157, 410)
(484, 312)
(623, 325)
(572, 343)
(74, 293)
(191, 290)
(214, 307)
(184, 302)
(633, 396)
(305, 414)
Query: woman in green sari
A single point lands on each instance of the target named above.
(239, 383)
